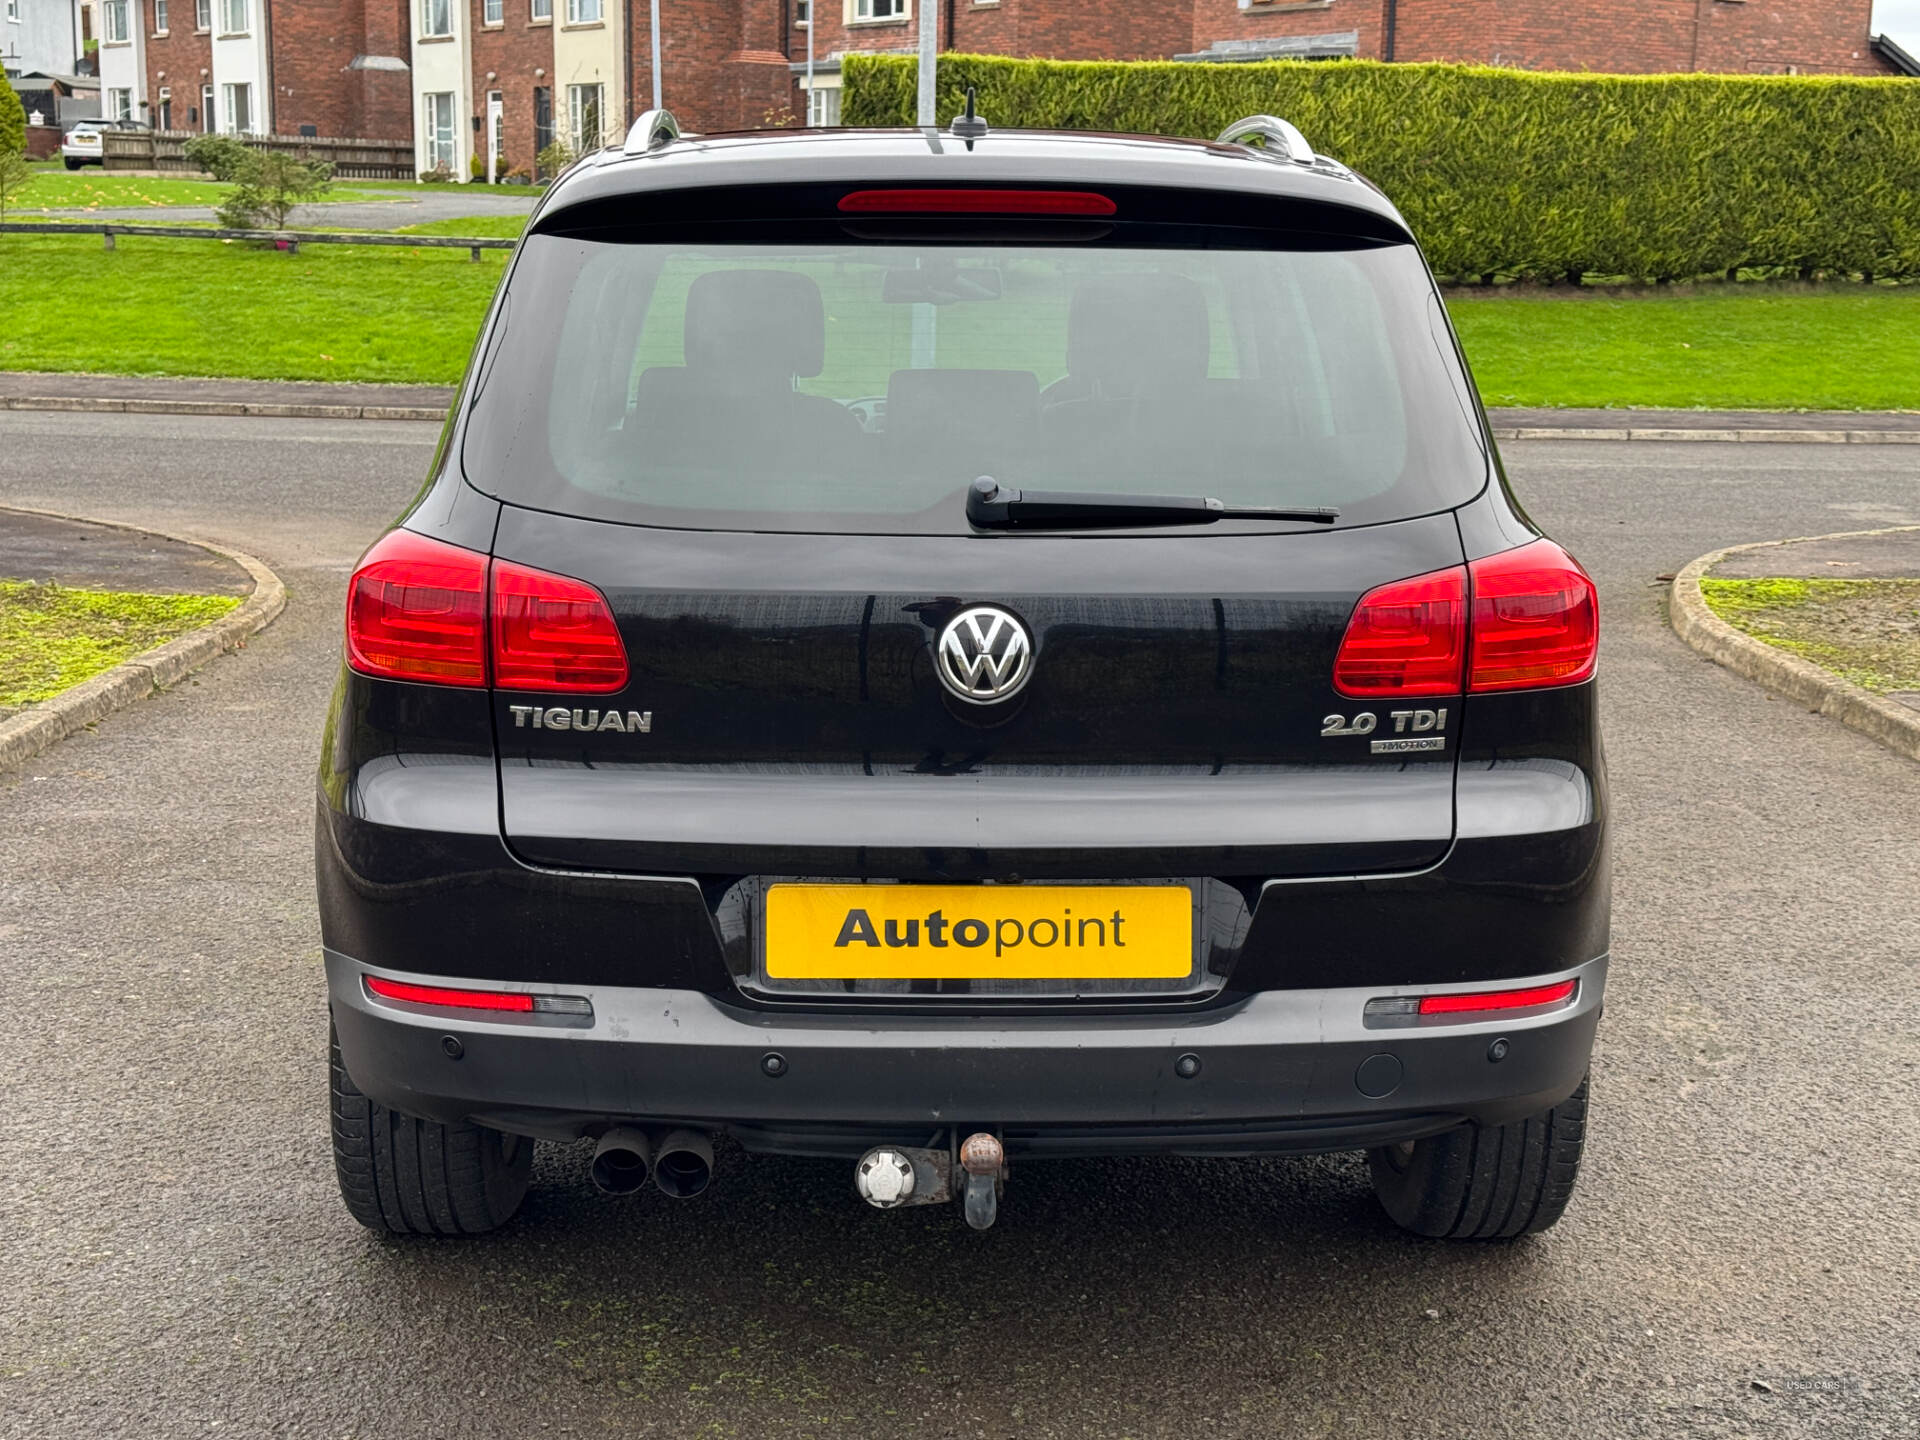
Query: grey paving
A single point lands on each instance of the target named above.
(104, 557)
(19, 383)
(1740, 1259)
(1865, 557)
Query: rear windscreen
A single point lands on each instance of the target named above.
(861, 387)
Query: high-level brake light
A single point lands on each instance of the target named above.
(976, 202)
(1523, 619)
(422, 610)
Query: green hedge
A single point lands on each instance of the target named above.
(1522, 173)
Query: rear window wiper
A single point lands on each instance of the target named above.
(992, 507)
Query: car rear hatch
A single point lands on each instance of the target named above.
(756, 444)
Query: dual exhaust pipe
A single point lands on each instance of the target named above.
(681, 1166)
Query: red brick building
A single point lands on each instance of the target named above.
(325, 67)
(1760, 37)
(580, 70)
(339, 67)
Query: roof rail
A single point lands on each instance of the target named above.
(1276, 134)
(654, 129)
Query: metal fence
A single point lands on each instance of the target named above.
(165, 151)
(290, 240)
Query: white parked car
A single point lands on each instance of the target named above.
(83, 145)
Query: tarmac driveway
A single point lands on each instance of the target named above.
(1740, 1258)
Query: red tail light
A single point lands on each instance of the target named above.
(1408, 638)
(453, 999)
(553, 633)
(976, 202)
(1497, 999)
(1536, 620)
(416, 610)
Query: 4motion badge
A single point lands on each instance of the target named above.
(1413, 730)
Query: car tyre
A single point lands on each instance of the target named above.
(407, 1176)
(1492, 1182)
(73, 164)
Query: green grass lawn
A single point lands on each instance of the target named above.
(197, 307)
(1733, 347)
(52, 637)
(94, 189)
(1866, 631)
(182, 307)
(474, 227)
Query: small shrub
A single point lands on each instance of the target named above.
(269, 188)
(224, 157)
(555, 158)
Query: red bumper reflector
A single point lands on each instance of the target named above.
(976, 202)
(454, 999)
(1497, 999)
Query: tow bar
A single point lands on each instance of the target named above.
(890, 1176)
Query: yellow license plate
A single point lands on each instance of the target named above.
(979, 932)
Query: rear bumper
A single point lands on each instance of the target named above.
(1282, 1071)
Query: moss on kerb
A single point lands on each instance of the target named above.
(1865, 631)
(53, 637)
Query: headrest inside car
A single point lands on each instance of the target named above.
(759, 323)
(1135, 330)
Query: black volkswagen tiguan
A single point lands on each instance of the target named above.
(956, 648)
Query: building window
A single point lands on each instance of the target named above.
(877, 10)
(583, 12)
(233, 17)
(13, 11)
(206, 105)
(823, 106)
(541, 10)
(113, 22)
(583, 117)
(436, 17)
(493, 12)
(239, 102)
(119, 103)
(803, 12)
(203, 14)
(159, 17)
(439, 119)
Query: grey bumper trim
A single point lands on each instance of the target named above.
(1277, 1059)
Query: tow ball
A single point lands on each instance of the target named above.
(985, 1162)
(890, 1176)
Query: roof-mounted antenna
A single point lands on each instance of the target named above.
(968, 126)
